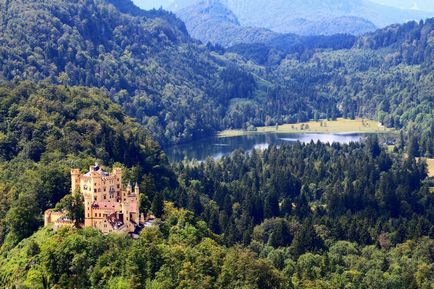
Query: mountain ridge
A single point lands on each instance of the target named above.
(286, 17)
(211, 21)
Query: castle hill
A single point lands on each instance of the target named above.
(108, 206)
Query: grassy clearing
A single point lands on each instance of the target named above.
(338, 126)
(430, 163)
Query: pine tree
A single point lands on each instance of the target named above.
(306, 240)
(413, 148)
(158, 204)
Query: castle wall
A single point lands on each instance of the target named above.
(103, 197)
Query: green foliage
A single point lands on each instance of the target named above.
(71, 258)
(49, 129)
(145, 60)
(158, 204)
(175, 255)
(212, 22)
(304, 196)
(72, 204)
(181, 90)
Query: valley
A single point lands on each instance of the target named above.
(221, 145)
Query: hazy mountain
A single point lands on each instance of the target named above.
(307, 16)
(279, 15)
(211, 21)
(422, 5)
(149, 4)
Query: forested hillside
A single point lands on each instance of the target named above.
(73, 74)
(146, 61)
(180, 253)
(387, 75)
(214, 22)
(286, 16)
(45, 130)
(181, 90)
(183, 253)
(211, 21)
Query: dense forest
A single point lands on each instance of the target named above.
(181, 90)
(302, 216)
(355, 192)
(387, 75)
(103, 81)
(45, 130)
(212, 22)
(145, 60)
(183, 253)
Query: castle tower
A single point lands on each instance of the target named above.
(75, 180)
(88, 211)
(136, 190)
(117, 172)
(137, 200)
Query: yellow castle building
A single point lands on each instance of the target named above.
(107, 206)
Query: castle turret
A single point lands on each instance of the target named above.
(107, 206)
(88, 211)
(75, 180)
(136, 190)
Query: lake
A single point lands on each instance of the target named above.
(217, 147)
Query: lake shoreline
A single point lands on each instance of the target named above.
(340, 126)
(216, 147)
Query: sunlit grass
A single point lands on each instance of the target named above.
(338, 126)
(430, 163)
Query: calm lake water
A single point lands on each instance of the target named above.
(217, 147)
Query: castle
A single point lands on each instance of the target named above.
(107, 207)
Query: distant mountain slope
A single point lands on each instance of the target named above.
(146, 60)
(308, 17)
(422, 5)
(211, 21)
(328, 26)
(182, 90)
(279, 15)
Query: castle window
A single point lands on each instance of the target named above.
(94, 190)
(105, 197)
